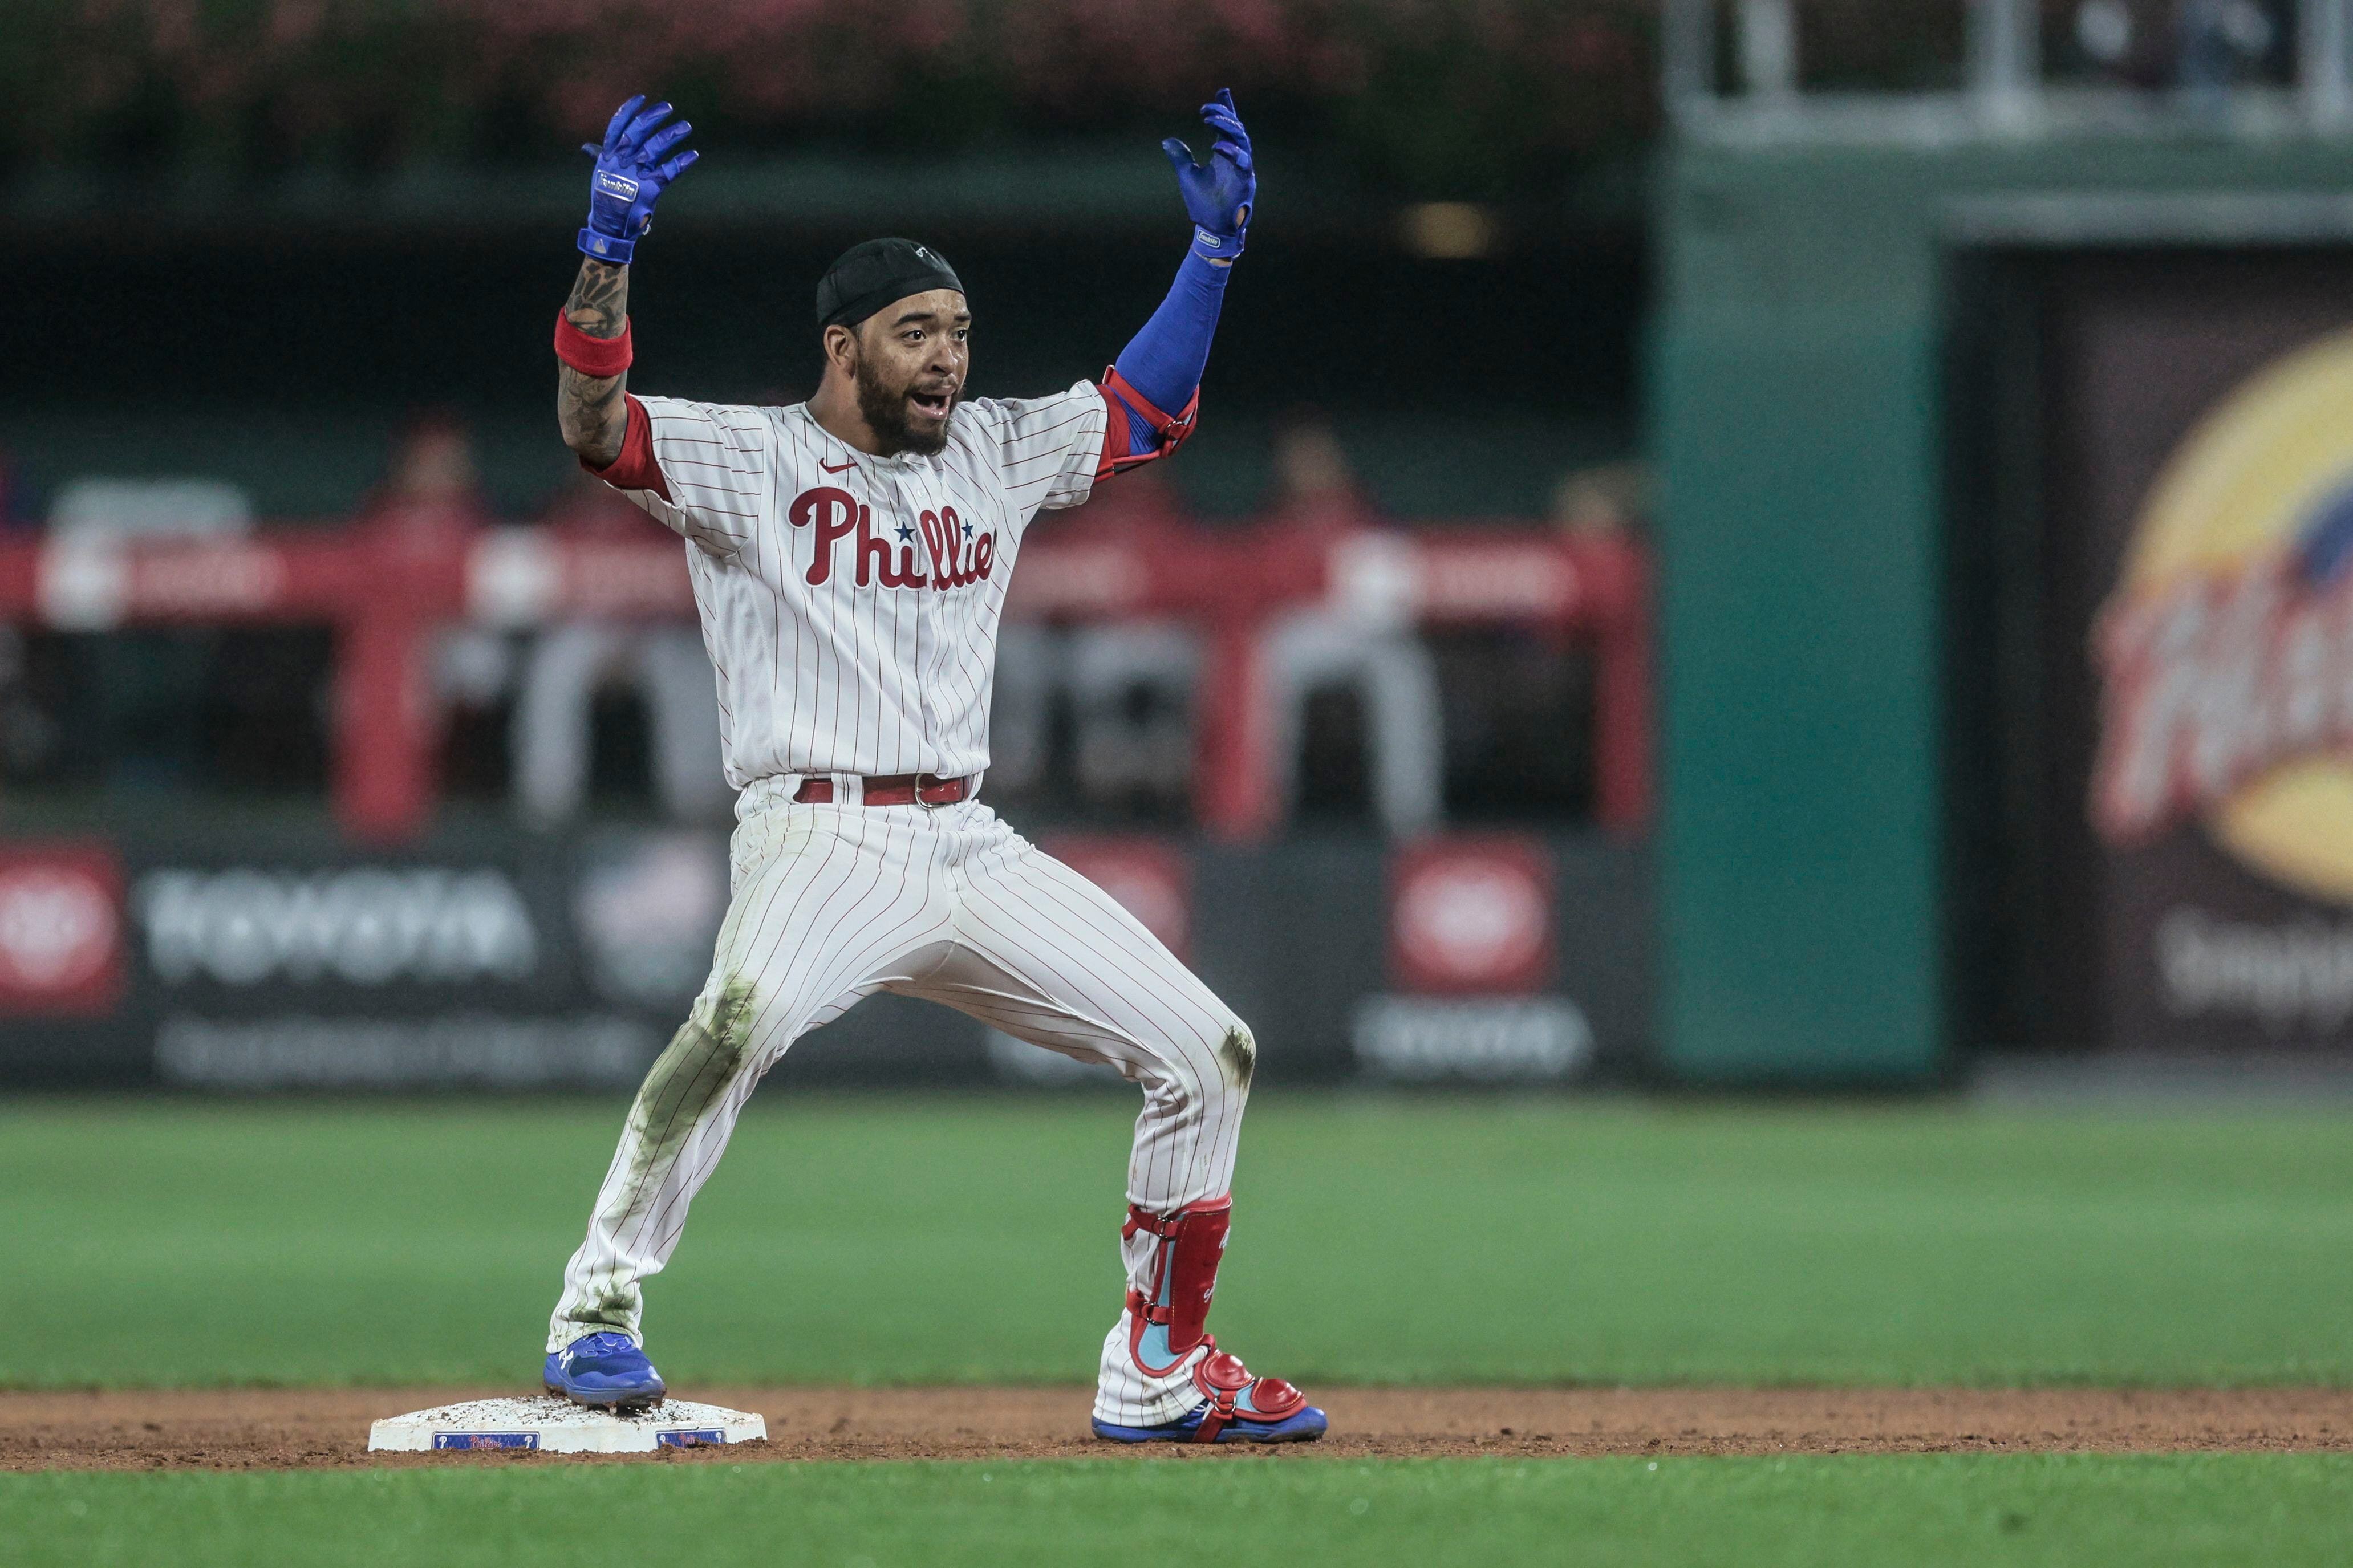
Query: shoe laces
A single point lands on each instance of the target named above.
(603, 1344)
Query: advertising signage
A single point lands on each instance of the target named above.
(233, 960)
(2201, 515)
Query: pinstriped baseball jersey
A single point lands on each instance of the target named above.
(850, 603)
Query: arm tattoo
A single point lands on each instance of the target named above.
(600, 299)
(591, 409)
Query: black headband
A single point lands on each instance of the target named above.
(870, 276)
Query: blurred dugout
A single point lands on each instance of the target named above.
(1155, 666)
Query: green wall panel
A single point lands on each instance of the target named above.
(1799, 908)
(1796, 418)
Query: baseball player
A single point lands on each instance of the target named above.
(850, 556)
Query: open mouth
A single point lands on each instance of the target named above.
(933, 405)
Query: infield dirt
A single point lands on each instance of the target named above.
(323, 1428)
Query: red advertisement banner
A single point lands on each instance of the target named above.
(61, 930)
(1472, 915)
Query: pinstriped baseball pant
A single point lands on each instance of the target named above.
(832, 903)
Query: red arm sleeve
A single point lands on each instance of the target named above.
(635, 468)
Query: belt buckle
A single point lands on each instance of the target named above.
(926, 805)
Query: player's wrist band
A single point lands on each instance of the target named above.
(606, 247)
(1215, 246)
(591, 356)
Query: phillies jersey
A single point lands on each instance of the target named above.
(850, 603)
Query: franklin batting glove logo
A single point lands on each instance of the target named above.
(612, 185)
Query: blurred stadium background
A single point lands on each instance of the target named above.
(1629, 615)
(353, 739)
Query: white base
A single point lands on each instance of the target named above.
(557, 1426)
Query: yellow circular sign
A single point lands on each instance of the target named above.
(2228, 648)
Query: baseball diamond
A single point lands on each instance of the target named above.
(327, 1429)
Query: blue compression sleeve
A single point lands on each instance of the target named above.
(1165, 361)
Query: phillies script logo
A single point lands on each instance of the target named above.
(2226, 652)
(948, 554)
(2217, 680)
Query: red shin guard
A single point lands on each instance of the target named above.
(1184, 1276)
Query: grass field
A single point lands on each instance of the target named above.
(2231, 1509)
(920, 1241)
(160, 1243)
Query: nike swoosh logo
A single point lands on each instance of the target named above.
(830, 469)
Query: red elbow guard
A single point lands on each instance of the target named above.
(1120, 400)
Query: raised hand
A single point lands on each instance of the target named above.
(1221, 193)
(631, 172)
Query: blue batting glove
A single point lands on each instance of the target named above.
(629, 177)
(1221, 193)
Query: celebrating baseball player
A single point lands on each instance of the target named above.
(850, 556)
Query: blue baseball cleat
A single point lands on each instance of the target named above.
(1237, 1408)
(605, 1372)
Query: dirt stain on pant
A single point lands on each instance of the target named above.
(693, 1070)
(685, 1081)
(1238, 1054)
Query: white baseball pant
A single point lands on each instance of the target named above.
(834, 902)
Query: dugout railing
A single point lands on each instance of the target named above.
(386, 597)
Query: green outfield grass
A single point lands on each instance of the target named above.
(1759, 1513)
(914, 1240)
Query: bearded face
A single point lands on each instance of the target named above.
(908, 417)
(912, 359)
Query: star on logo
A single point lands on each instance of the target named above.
(905, 532)
(968, 531)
